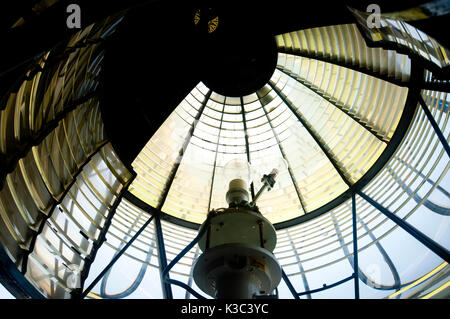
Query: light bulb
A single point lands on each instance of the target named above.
(238, 169)
(237, 173)
(276, 166)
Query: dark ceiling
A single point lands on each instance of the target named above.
(155, 59)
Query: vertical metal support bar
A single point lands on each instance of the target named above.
(247, 148)
(113, 261)
(299, 263)
(434, 125)
(166, 288)
(187, 295)
(215, 158)
(289, 284)
(165, 272)
(425, 240)
(355, 248)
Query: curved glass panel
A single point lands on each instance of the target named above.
(328, 122)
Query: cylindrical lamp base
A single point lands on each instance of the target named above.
(237, 271)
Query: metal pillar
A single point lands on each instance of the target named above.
(355, 248)
(289, 284)
(247, 148)
(166, 288)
